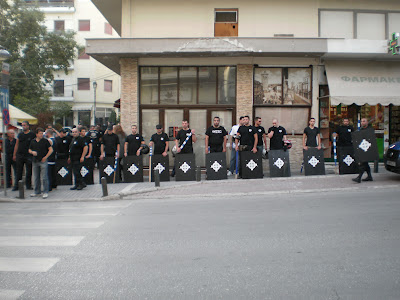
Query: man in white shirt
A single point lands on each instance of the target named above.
(232, 146)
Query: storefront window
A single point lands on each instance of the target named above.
(226, 85)
(149, 85)
(207, 85)
(168, 85)
(187, 85)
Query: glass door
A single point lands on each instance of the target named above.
(198, 122)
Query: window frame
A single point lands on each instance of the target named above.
(79, 25)
(108, 82)
(59, 21)
(86, 81)
(226, 10)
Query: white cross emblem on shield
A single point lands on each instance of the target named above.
(184, 167)
(109, 170)
(251, 165)
(133, 169)
(216, 166)
(313, 161)
(63, 172)
(365, 145)
(348, 160)
(84, 171)
(279, 163)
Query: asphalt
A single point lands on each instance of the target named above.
(298, 183)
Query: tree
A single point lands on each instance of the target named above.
(35, 54)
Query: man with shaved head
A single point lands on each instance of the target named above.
(276, 134)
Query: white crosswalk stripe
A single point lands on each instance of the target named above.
(10, 294)
(40, 241)
(30, 232)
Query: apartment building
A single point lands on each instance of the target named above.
(290, 59)
(90, 87)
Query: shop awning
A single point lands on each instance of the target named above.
(17, 115)
(363, 82)
(84, 107)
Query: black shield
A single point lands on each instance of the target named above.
(161, 164)
(216, 166)
(314, 161)
(347, 162)
(279, 165)
(133, 168)
(251, 164)
(87, 171)
(64, 172)
(185, 167)
(364, 145)
(107, 171)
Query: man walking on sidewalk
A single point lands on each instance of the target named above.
(77, 152)
(22, 156)
(40, 149)
(364, 166)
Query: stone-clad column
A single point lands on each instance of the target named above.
(129, 93)
(244, 91)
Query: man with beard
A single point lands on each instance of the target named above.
(216, 137)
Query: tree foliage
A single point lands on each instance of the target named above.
(35, 54)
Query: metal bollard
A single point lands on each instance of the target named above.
(198, 173)
(21, 190)
(376, 163)
(104, 186)
(156, 178)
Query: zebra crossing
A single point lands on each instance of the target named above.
(32, 236)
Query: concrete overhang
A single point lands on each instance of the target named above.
(109, 51)
(112, 11)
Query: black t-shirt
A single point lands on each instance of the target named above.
(181, 137)
(76, 148)
(94, 136)
(52, 157)
(311, 136)
(41, 147)
(10, 145)
(159, 141)
(260, 132)
(216, 135)
(247, 135)
(110, 142)
(276, 142)
(134, 141)
(344, 133)
(63, 144)
(24, 141)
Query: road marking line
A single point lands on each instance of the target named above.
(128, 188)
(10, 294)
(54, 225)
(59, 215)
(23, 264)
(40, 241)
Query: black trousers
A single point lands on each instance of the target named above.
(76, 170)
(51, 171)
(10, 163)
(22, 161)
(216, 148)
(364, 167)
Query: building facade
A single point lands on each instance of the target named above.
(289, 60)
(89, 87)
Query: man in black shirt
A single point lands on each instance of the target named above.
(248, 137)
(311, 134)
(10, 145)
(260, 134)
(133, 143)
(63, 142)
(216, 137)
(95, 137)
(276, 134)
(343, 134)
(185, 139)
(364, 166)
(110, 144)
(22, 156)
(160, 141)
(41, 149)
(51, 161)
(77, 152)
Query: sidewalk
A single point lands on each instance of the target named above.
(172, 189)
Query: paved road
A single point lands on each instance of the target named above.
(336, 245)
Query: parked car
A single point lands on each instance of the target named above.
(392, 158)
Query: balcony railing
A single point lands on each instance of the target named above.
(51, 3)
(61, 95)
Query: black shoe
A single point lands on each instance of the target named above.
(172, 174)
(357, 179)
(29, 188)
(81, 187)
(73, 188)
(369, 178)
(15, 189)
(84, 184)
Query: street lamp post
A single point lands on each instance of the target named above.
(4, 55)
(94, 100)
